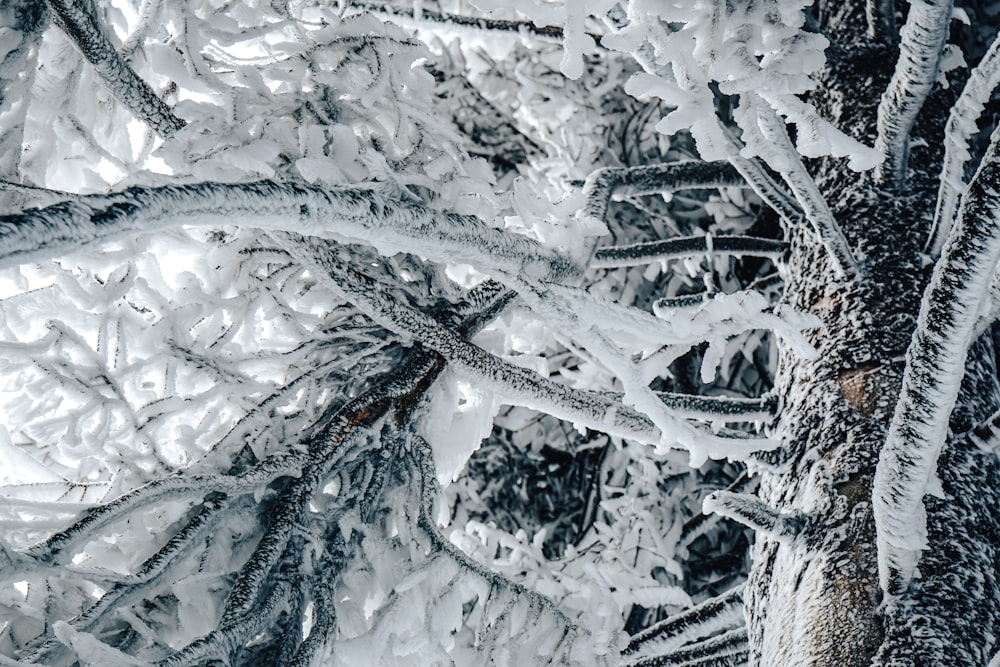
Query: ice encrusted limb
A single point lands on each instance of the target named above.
(935, 365)
(78, 19)
(920, 45)
(783, 158)
(603, 184)
(705, 653)
(714, 615)
(689, 246)
(517, 385)
(356, 214)
(751, 511)
(965, 113)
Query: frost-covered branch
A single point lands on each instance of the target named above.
(788, 163)
(711, 651)
(79, 20)
(517, 385)
(356, 214)
(710, 617)
(965, 113)
(751, 511)
(935, 365)
(23, 22)
(655, 251)
(96, 518)
(604, 184)
(920, 45)
(425, 16)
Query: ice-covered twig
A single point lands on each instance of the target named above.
(514, 384)
(763, 185)
(24, 22)
(260, 475)
(806, 192)
(920, 45)
(232, 633)
(697, 653)
(606, 183)
(935, 365)
(78, 19)
(359, 214)
(965, 113)
(720, 408)
(654, 251)
(721, 613)
(751, 511)
(881, 17)
(481, 24)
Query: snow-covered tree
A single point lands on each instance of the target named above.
(478, 332)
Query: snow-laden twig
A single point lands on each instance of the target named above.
(720, 408)
(604, 184)
(965, 113)
(717, 614)
(690, 246)
(697, 653)
(518, 386)
(920, 45)
(763, 185)
(753, 512)
(24, 22)
(935, 365)
(79, 20)
(63, 542)
(787, 162)
(357, 214)
(427, 18)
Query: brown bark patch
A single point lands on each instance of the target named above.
(858, 386)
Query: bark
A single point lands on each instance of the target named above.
(814, 598)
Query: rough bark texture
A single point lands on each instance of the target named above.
(815, 600)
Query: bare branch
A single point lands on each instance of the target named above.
(968, 108)
(78, 19)
(935, 365)
(921, 42)
(654, 251)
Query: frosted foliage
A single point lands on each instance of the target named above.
(760, 49)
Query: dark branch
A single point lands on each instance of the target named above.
(654, 251)
(78, 19)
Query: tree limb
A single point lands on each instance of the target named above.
(935, 365)
(78, 19)
(720, 613)
(920, 45)
(969, 106)
(654, 251)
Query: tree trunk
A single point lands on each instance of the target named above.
(814, 599)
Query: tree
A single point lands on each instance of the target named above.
(419, 333)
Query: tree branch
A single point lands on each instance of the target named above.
(814, 206)
(920, 45)
(655, 251)
(968, 108)
(356, 213)
(604, 184)
(754, 513)
(705, 652)
(78, 19)
(935, 365)
(720, 613)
